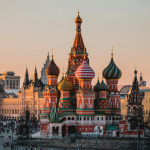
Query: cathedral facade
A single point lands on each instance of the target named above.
(72, 105)
(30, 97)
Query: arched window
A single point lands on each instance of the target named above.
(129, 109)
(134, 110)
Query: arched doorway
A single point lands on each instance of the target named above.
(63, 131)
(98, 129)
(71, 130)
(55, 131)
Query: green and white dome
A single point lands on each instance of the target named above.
(103, 86)
(112, 71)
(96, 88)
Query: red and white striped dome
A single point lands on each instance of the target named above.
(84, 71)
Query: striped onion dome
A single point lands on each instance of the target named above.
(103, 86)
(84, 71)
(52, 69)
(65, 85)
(96, 88)
(112, 71)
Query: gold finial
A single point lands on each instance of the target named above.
(63, 72)
(55, 107)
(52, 53)
(53, 103)
(98, 76)
(78, 19)
(102, 77)
(112, 52)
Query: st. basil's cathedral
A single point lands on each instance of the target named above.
(73, 105)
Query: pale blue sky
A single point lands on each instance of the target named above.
(31, 28)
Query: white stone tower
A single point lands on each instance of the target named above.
(43, 75)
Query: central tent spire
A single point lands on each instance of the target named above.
(78, 45)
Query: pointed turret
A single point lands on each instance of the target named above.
(135, 85)
(48, 56)
(35, 78)
(26, 79)
(54, 117)
(78, 44)
(35, 75)
(135, 97)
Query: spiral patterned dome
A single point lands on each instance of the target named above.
(96, 88)
(65, 85)
(84, 71)
(112, 71)
(103, 86)
(52, 69)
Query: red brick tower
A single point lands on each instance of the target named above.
(85, 94)
(51, 93)
(112, 74)
(134, 118)
(76, 57)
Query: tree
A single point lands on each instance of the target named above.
(23, 130)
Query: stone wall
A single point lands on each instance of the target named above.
(114, 144)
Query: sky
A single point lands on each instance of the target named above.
(30, 29)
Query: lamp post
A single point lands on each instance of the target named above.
(96, 146)
(78, 144)
(138, 124)
(12, 135)
(29, 137)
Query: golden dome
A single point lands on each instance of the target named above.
(78, 19)
(65, 85)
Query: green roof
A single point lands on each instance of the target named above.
(99, 113)
(85, 115)
(67, 114)
(54, 117)
(110, 127)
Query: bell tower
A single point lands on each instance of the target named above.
(85, 94)
(112, 74)
(76, 57)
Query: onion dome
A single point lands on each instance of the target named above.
(96, 88)
(78, 19)
(52, 69)
(112, 71)
(84, 71)
(103, 86)
(65, 85)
